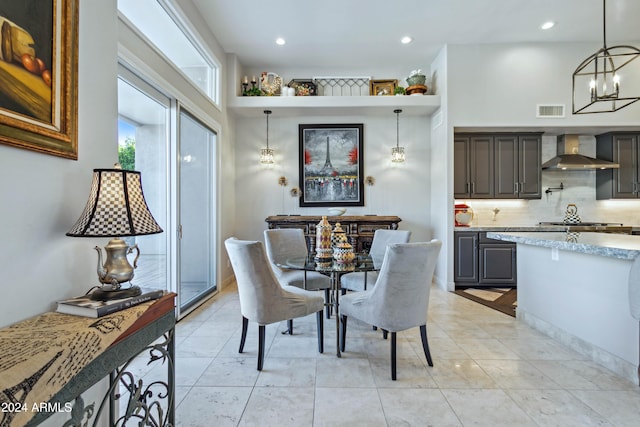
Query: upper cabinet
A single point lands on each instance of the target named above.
(473, 166)
(497, 166)
(624, 182)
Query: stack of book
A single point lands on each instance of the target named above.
(85, 306)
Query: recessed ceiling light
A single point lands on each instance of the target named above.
(547, 25)
(280, 41)
(406, 40)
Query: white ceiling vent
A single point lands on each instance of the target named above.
(550, 111)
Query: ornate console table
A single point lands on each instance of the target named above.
(359, 229)
(48, 361)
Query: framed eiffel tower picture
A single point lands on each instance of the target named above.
(331, 165)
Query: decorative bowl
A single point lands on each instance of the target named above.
(336, 211)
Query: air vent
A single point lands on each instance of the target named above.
(550, 111)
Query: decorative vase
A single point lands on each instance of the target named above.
(323, 240)
(338, 235)
(416, 79)
(343, 253)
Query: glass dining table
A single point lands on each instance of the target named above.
(335, 270)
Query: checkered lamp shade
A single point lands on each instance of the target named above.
(116, 207)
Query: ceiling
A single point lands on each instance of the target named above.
(360, 34)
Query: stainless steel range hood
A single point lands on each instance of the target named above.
(568, 157)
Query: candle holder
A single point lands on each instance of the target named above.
(244, 88)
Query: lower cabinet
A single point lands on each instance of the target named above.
(480, 261)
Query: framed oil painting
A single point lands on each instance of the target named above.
(382, 87)
(331, 165)
(38, 75)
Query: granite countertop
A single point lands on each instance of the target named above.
(531, 228)
(622, 246)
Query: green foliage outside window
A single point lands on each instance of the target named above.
(127, 154)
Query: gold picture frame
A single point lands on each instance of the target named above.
(382, 87)
(39, 76)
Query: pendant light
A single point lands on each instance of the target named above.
(598, 82)
(397, 152)
(266, 154)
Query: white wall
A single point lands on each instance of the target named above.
(402, 191)
(44, 195)
(441, 172)
(500, 85)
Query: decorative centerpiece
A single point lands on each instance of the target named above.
(338, 235)
(417, 83)
(343, 253)
(323, 241)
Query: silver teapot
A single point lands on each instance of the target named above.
(116, 268)
(571, 215)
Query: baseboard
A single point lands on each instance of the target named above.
(594, 353)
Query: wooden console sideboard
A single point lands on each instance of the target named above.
(359, 229)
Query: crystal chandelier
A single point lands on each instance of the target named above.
(266, 154)
(397, 152)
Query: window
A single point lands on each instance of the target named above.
(160, 25)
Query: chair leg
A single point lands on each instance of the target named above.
(327, 302)
(393, 356)
(243, 337)
(343, 336)
(290, 326)
(425, 344)
(260, 346)
(385, 333)
(320, 326)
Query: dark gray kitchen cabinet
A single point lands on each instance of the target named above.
(480, 261)
(473, 167)
(518, 173)
(466, 257)
(500, 166)
(624, 182)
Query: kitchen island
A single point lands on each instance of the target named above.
(574, 287)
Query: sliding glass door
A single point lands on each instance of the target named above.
(196, 200)
(143, 141)
(181, 195)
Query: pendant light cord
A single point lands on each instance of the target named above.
(397, 127)
(604, 24)
(267, 112)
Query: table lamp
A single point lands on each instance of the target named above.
(116, 208)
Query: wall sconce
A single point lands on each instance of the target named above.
(597, 78)
(266, 154)
(397, 152)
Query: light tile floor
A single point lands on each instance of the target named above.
(489, 370)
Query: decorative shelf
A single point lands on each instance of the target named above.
(253, 106)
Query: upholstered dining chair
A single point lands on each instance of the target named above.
(400, 298)
(262, 299)
(287, 243)
(360, 281)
